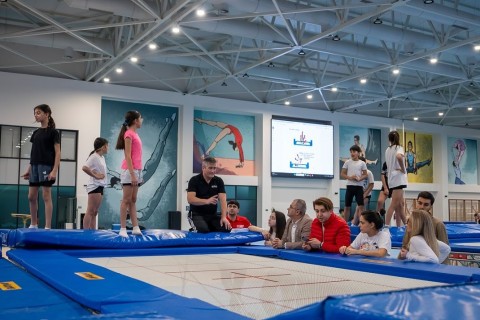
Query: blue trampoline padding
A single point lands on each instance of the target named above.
(105, 239)
(114, 292)
(35, 299)
(445, 302)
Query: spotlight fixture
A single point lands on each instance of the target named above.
(377, 21)
(106, 80)
(271, 65)
(119, 70)
(466, 124)
(204, 91)
(152, 46)
(415, 118)
(471, 84)
(301, 52)
(134, 59)
(380, 105)
(334, 89)
(476, 47)
(287, 103)
(309, 97)
(363, 81)
(245, 75)
(355, 110)
(428, 1)
(437, 92)
(336, 38)
(433, 60)
(440, 114)
(201, 13)
(224, 84)
(395, 71)
(469, 108)
(176, 29)
(68, 53)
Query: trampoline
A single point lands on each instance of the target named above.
(206, 281)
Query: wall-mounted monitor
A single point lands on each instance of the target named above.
(301, 148)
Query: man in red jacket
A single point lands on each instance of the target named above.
(329, 232)
(236, 220)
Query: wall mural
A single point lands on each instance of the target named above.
(418, 156)
(229, 138)
(368, 140)
(462, 161)
(159, 135)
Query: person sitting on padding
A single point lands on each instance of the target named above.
(277, 223)
(372, 240)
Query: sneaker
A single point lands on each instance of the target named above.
(47, 228)
(33, 226)
(123, 233)
(136, 231)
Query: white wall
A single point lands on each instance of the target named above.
(76, 105)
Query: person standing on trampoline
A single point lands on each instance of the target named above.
(131, 177)
(96, 168)
(44, 163)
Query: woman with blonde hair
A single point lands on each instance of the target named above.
(422, 244)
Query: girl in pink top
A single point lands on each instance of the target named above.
(131, 176)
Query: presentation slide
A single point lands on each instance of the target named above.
(302, 148)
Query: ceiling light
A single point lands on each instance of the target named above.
(176, 29)
(433, 60)
(415, 118)
(309, 97)
(152, 46)
(334, 89)
(395, 71)
(476, 47)
(271, 65)
(440, 114)
(355, 110)
(245, 75)
(380, 105)
(301, 52)
(201, 13)
(469, 108)
(224, 84)
(363, 81)
(119, 70)
(471, 84)
(466, 124)
(437, 92)
(377, 21)
(409, 48)
(287, 103)
(204, 91)
(68, 54)
(107, 80)
(428, 1)
(336, 38)
(134, 59)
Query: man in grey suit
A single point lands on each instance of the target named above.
(297, 229)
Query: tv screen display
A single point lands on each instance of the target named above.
(301, 148)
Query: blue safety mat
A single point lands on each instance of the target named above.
(109, 292)
(105, 239)
(23, 296)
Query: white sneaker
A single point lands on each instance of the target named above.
(123, 233)
(47, 228)
(33, 226)
(136, 231)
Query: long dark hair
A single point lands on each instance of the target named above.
(394, 138)
(373, 216)
(130, 117)
(46, 109)
(98, 144)
(280, 224)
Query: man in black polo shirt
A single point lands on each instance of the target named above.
(204, 191)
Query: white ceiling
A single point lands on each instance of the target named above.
(227, 52)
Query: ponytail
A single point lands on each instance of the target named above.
(46, 109)
(130, 117)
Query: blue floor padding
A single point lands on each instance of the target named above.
(34, 299)
(106, 239)
(114, 292)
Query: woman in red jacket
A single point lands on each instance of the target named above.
(329, 231)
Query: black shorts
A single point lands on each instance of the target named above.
(354, 191)
(97, 190)
(395, 188)
(389, 194)
(39, 175)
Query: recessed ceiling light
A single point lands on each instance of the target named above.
(334, 89)
(287, 103)
(363, 81)
(469, 108)
(440, 114)
(106, 80)
(309, 97)
(415, 118)
(119, 70)
(134, 59)
(152, 46)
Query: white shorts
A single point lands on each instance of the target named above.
(126, 178)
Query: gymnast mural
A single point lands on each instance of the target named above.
(418, 156)
(229, 138)
(462, 161)
(158, 194)
(411, 163)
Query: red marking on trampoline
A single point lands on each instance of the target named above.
(286, 285)
(243, 276)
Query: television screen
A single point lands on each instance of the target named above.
(301, 148)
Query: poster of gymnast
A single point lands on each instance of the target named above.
(228, 138)
(368, 139)
(159, 135)
(418, 156)
(462, 161)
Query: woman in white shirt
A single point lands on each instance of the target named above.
(371, 241)
(397, 177)
(423, 245)
(277, 223)
(96, 168)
